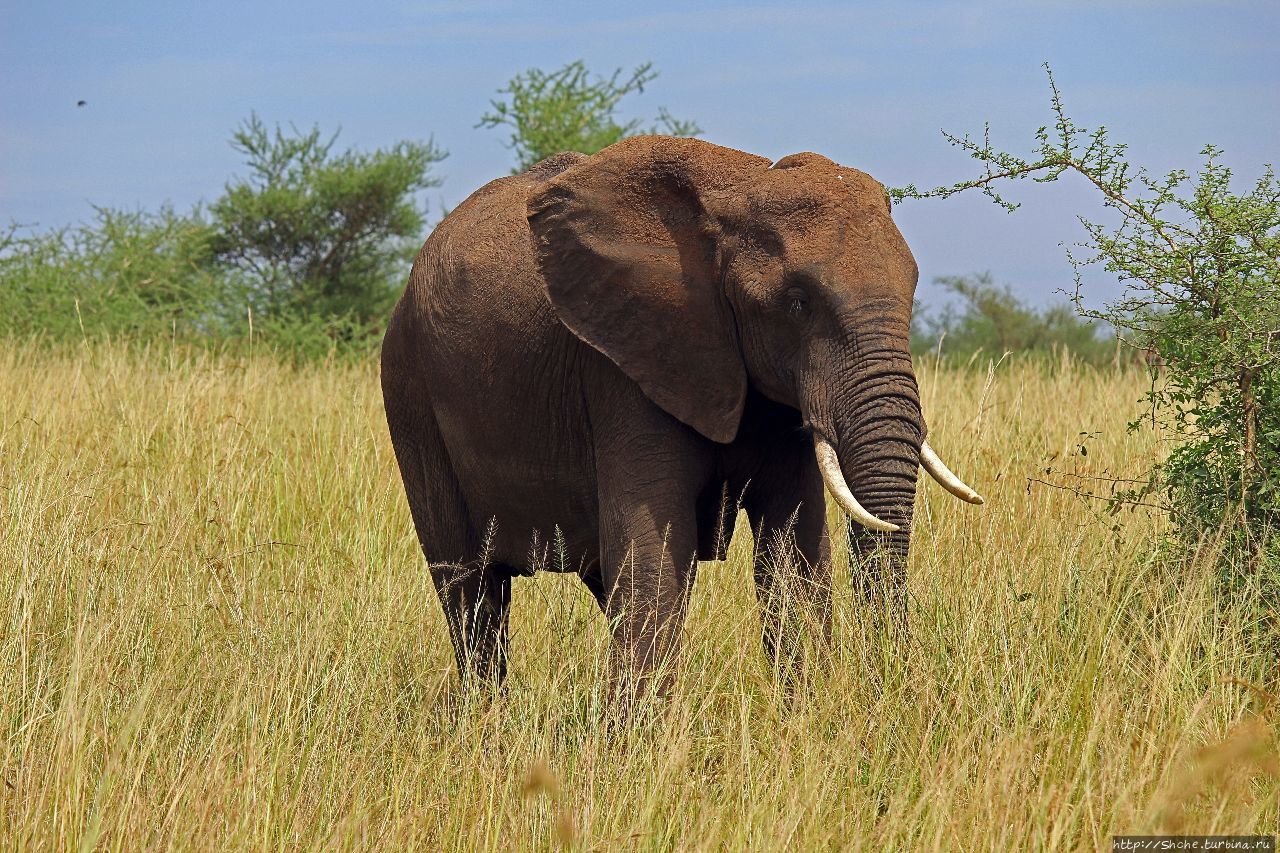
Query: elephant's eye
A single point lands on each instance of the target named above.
(797, 302)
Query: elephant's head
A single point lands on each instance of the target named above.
(700, 270)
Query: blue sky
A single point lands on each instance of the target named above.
(868, 84)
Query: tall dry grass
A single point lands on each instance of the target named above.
(219, 633)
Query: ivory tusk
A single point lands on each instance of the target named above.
(829, 464)
(949, 481)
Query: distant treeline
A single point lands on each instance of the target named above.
(209, 278)
(988, 321)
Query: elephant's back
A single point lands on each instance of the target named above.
(475, 303)
(477, 270)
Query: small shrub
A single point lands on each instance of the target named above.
(304, 257)
(125, 274)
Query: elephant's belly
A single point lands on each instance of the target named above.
(535, 522)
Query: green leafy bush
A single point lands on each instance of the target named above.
(126, 274)
(567, 110)
(992, 321)
(306, 255)
(1201, 265)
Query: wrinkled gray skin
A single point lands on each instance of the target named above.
(609, 347)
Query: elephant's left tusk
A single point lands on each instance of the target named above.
(939, 471)
(829, 465)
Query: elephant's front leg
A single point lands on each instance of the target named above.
(650, 571)
(792, 568)
(649, 471)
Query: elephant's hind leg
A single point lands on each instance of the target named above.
(592, 578)
(476, 600)
(475, 595)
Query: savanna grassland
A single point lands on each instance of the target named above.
(218, 632)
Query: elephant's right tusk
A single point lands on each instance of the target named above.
(829, 465)
(949, 481)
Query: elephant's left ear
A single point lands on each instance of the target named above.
(628, 252)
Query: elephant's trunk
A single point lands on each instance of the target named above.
(869, 439)
(876, 429)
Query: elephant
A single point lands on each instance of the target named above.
(597, 362)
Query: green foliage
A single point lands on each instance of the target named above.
(1201, 265)
(312, 234)
(305, 256)
(568, 110)
(125, 274)
(993, 321)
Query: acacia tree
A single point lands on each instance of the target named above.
(316, 234)
(1201, 267)
(569, 110)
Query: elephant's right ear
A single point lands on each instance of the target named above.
(628, 252)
